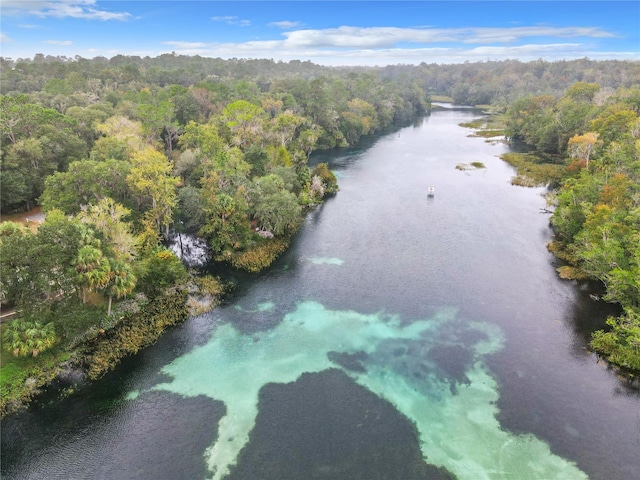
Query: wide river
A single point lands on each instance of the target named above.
(401, 337)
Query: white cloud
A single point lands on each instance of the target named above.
(4, 38)
(84, 9)
(185, 45)
(285, 24)
(232, 20)
(383, 37)
(28, 26)
(284, 51)
(508, 35)
(58, 42)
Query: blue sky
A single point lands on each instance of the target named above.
(328, 32)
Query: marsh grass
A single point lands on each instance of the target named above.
(534, 171)
(470, 166)
(490, 126)
(260, 256)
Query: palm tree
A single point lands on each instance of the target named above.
(24, 337)
(93, 269)
(122, 281)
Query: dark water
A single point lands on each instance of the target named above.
(398, 328)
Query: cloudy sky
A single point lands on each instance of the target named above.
(325, 32)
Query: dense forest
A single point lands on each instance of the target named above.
(121, 152)
(588, 141)
(119, 156)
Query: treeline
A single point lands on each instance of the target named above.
(499, 83)
(595, 134)
(478, 83)
(53, 113)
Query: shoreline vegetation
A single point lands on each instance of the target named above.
(120, 152)
(585, 148)
(117, 165)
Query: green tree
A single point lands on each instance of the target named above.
(124, 129)
(190, 214)
(151, 181)
(45, 266)
(86, 182)
(613, 123)
(581, 147)
(35, 142)
(122, 281)
(106, 148)
(621, 344)
(284, 126)
(245, 121)
(275, 209)
(94, 270)
(329, 180)
(15, 244)
(226, 225)
(107, 218)
(162, 270)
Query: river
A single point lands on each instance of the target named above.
(401, 337)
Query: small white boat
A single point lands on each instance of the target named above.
(431, 191)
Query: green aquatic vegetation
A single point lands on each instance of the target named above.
(22, 377)
(533, 170)
(441, 98)
(205, 293)
(568, 272)
(476, 124)
(454, 407)
(470, 166)
(260, 256)
(132, 333)
(491, 126)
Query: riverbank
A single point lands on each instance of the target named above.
(618, 342)
(101, 350)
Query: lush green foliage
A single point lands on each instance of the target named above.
(118, 151)
(621, 344)
(22, 377)
(132, 333)
(28, 337)
(597, 216)
(329, 180)
(534, 170)
(260, 255)
(162, 269)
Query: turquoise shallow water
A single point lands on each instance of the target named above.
(454, 411)
(398, 331)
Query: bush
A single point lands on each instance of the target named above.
(26, 337)
(163, 269)
(329, 180)
(620, 345)
(260, 256)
